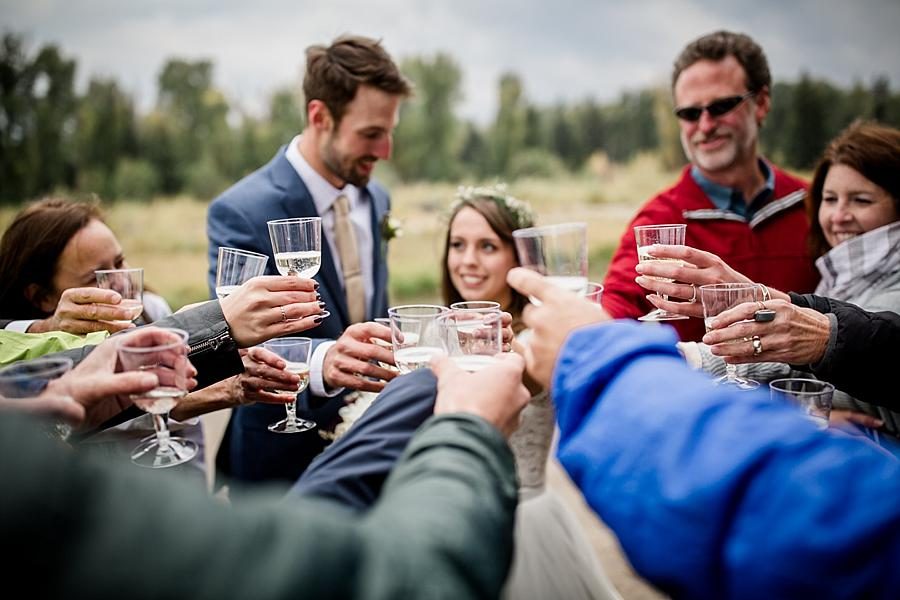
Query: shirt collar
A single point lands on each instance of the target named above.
(323, 193)
(730, 199)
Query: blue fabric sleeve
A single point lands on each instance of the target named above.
(716, 493)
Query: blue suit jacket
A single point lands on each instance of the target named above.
(237, 218)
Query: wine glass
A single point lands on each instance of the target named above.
(297, 245)
(646, 236)
(415, 335)
(811, 395)
(472, 338)
(164, 355)
(559, 252)
(716, 299)
(129, 283)
(476, 305)
(294, 351)
(28, 379)
(386, 321)
(235, 267)
(594, 292)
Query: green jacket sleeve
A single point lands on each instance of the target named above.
(15, 346)
(81, 528)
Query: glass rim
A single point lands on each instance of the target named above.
(284, 341)
(540, 230)
(128, 270)
(157, 347)
(231, 250)
(487, 305)
(392, 311)
(727, 286)
(826, 387)
(298, 220)
(35, 368)
(661, 226)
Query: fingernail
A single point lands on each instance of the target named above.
(321, 305)
(318, 296)
(318, 319)
(315, 285)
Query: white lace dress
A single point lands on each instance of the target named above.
(553, 558)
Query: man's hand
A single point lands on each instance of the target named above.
(271, 306)
(494, 393)
(560, 313)
(85, 310)
(348, 362)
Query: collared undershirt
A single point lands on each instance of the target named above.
(732, 200)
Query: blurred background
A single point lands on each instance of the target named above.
(156, 107)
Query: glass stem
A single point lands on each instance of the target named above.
(291, 409)
(162, 432)
(731, 371)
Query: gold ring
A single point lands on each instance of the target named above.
(283, 314)
(761, 304)
(694, 295)
(757, 345)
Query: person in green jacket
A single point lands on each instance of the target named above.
(442, 528)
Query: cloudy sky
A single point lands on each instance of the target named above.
(562, 49)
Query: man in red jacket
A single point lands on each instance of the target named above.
(735, 203)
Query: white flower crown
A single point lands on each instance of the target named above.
(520, 211)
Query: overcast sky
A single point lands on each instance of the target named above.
(562, 49)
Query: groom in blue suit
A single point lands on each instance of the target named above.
(353, 91)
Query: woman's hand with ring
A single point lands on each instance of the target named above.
(796, 335)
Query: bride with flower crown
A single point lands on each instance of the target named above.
(553, 558)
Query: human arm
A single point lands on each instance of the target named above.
(263, 372)
(697, 267)
(447, 511)
(862, 349)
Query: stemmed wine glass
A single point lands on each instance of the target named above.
(297, 245)
(646, 236)
(235, 267)
(558, 252)
(295, 353)
(129, 283)
(415, 335)
(164, 355)
(716, 299)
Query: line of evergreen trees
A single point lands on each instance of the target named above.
(194, 142)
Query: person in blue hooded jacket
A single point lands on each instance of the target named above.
(712, 493)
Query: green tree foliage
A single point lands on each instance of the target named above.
(807, 133)
(428, 135)
(508, 132)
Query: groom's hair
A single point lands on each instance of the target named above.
(335, 72)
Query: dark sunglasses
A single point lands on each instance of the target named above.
(716, 108)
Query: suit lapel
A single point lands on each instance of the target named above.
(298, 202)
(379, 208)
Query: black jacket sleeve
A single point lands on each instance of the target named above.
(864, 349)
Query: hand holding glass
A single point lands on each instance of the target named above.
(294, 351)
(28, 379)
(415, 335)
(129, 283)
(716, 299)
(235, 267)
(164, 355)
(647, 235)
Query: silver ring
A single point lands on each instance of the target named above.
(694, 296)
(283, 314)
(757, 345)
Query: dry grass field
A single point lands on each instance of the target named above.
(167, 237)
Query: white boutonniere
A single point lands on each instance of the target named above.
(391, 227)
(357, 403)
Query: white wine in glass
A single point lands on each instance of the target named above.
(295, 353)
(646, 236)
(301, 264)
